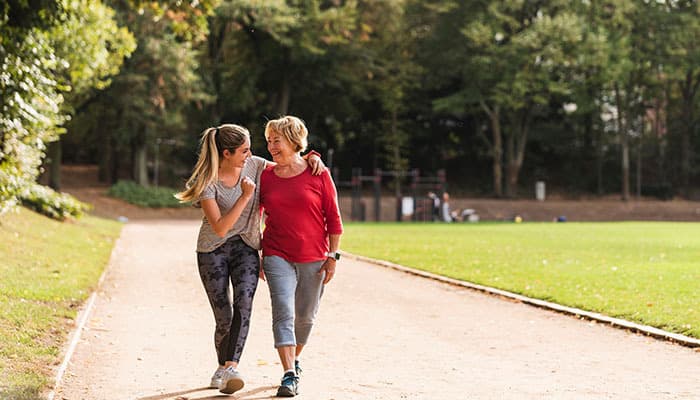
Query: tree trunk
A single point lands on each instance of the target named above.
(215, 41)
(624, 144)
(116, 165)
(591, 157)
(688, 89)
(639, 170)
(54, 158)
(282, 105)
(396, 162)
(140, 168)
(516, 152)
(625, 166)
(496, 147)
(105, 161)
(599, 164)
(510, 163)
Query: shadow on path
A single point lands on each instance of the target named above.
(181, 395)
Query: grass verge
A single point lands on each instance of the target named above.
(646, 272)
(48, 269)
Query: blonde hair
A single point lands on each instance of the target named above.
(292, 128)
(212, 145)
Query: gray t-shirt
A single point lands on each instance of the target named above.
(248, 224)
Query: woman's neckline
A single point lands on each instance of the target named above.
(291, 176)
(238, 181)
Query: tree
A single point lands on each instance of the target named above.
(327, 62)
(520, 54)
(153, 92)
(392, 29)
(607, 25)
(682, 67)
(93, 48)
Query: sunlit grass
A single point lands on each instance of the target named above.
(48, 269)
(646, 272)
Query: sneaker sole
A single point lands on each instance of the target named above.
(284, 391)
(233, 385)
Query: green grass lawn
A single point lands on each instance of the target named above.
(647, 272)
(47, 271)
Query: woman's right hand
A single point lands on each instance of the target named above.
(248, 187)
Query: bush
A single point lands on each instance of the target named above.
(154, 197)
(47, 201)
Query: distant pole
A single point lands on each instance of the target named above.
(377, 194)
(155, 166)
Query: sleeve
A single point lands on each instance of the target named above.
(334, 224)
(209, 192)
(260, 164)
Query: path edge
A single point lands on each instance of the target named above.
(576, 312)
(82, 319)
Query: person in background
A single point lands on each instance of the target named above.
(435, 204)
(446, 212)
(225, 183)
(300, 242)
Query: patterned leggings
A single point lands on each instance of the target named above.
(235, 261)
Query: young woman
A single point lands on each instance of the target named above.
(225, 184)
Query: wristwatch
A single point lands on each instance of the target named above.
(333, 254)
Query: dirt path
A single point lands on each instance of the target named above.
(381, 334)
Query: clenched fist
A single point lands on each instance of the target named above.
(247, 186)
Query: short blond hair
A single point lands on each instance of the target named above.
(292, 128)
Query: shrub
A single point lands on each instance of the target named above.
(154, 197)
(47, 201)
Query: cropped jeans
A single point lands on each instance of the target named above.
(295, 291)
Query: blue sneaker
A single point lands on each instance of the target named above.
(289, 386)
(297, 368)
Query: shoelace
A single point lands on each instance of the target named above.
(219, 373)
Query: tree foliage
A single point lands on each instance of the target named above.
(50, 56)
(592, 96)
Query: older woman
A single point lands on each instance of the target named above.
(300, 242)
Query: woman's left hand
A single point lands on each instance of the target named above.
(329, 268)
(316, 164)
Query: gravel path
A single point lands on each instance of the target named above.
(381, 334)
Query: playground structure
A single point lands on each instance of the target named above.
(413, 205)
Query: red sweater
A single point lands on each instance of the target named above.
(300, 213)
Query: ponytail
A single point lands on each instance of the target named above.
(212, 145)
(206, 170)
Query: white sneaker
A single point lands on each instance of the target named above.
(216, 378)
(231, 381)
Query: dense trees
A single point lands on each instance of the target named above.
(51, 54)
(596, 96)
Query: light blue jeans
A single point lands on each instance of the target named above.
(295, 291)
